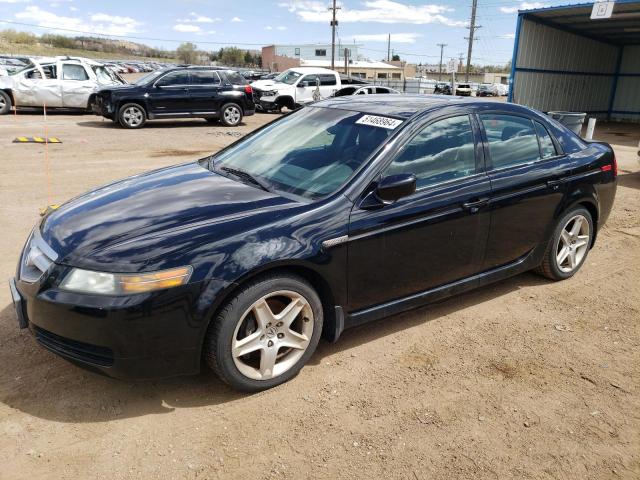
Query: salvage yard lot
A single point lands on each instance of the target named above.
(522, 379)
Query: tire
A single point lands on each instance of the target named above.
(5, 103)
(231, 115)
(132, 115)
(271, 357)
(567, 250)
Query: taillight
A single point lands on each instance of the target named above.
(248, 90)
(613, 166)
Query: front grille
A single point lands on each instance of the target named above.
(83, 352)
(37, 258)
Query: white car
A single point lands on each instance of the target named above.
(295, 87)
(365, 90)
(60, 82)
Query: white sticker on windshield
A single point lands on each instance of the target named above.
(382, 122)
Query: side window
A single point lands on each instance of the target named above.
(512, 140)
(204, 77)
(71, 71)
(327, 79)
(547, 148)
(313, 80)
(174, 78)
(442, 151)
(382, 90)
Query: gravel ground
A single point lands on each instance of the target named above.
(522, 379)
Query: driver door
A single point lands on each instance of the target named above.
(311, 93)
(433, 237)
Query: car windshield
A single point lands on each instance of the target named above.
(310, 153)
(289, 77)
(148, 77)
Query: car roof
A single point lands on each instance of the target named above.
(406, 106)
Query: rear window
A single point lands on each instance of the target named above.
(235, 78)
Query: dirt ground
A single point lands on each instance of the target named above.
(523, 379)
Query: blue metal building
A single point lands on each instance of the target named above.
(563, 60)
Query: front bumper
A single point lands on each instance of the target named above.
(136, 337)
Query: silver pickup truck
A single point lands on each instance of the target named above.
(57, 82)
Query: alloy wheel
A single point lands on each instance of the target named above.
(573, 243)
(232, 115)
(133, 116)
(3, 103)
(272, 335)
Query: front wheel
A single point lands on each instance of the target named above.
(132, 115)
(231, 115)
(569, 245)
(5, 103)
(265, 334)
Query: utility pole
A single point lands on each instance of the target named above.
(441, 45)
(472, 32)
(389, 48)
(346, 61)
(334, 24)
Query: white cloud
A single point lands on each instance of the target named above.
(268, 27)
(237, 19)
(383, 37)
(99, 23)
(523, 6)
(181, 27)
(508, 36)
(197, 18)
(379, 11)
(280, 27)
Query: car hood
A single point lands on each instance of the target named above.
(125, 225)
(269, 85)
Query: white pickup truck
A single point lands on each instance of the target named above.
(294, 88)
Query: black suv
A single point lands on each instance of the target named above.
(184, 92)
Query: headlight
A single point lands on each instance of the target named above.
(101, 283)
(270, 93)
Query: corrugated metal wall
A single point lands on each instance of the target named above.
(558, 70)
(628, 88)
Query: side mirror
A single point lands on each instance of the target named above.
(394, 187)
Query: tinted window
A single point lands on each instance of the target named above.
(312, 79)
(234, 78)
(74, 72)
(327, 79)
(174, 78)
(204, 77)
(512, 140)
(443, 151)
(547, 147)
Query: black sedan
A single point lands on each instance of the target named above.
(344, 212)
(215, 94)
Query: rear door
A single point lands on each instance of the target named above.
(205, 92)
(436, 235)
(526, 179)
(77, 84)
(169, 95)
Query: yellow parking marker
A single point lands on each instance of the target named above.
(37, 140)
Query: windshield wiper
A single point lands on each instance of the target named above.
(246, 176)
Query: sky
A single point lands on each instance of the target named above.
(416, 27)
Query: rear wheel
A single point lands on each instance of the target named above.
(265, 334)
(231, 115)
(132, 115)
(5, 103)
(568, 248)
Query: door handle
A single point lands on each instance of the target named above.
(474, 206)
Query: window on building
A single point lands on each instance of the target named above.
(396, 75)
(297, 52)
(382, 75)
(321, 52)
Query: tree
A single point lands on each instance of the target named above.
(187, 53)
(395, 58)
(248, 58)
(231, 56)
